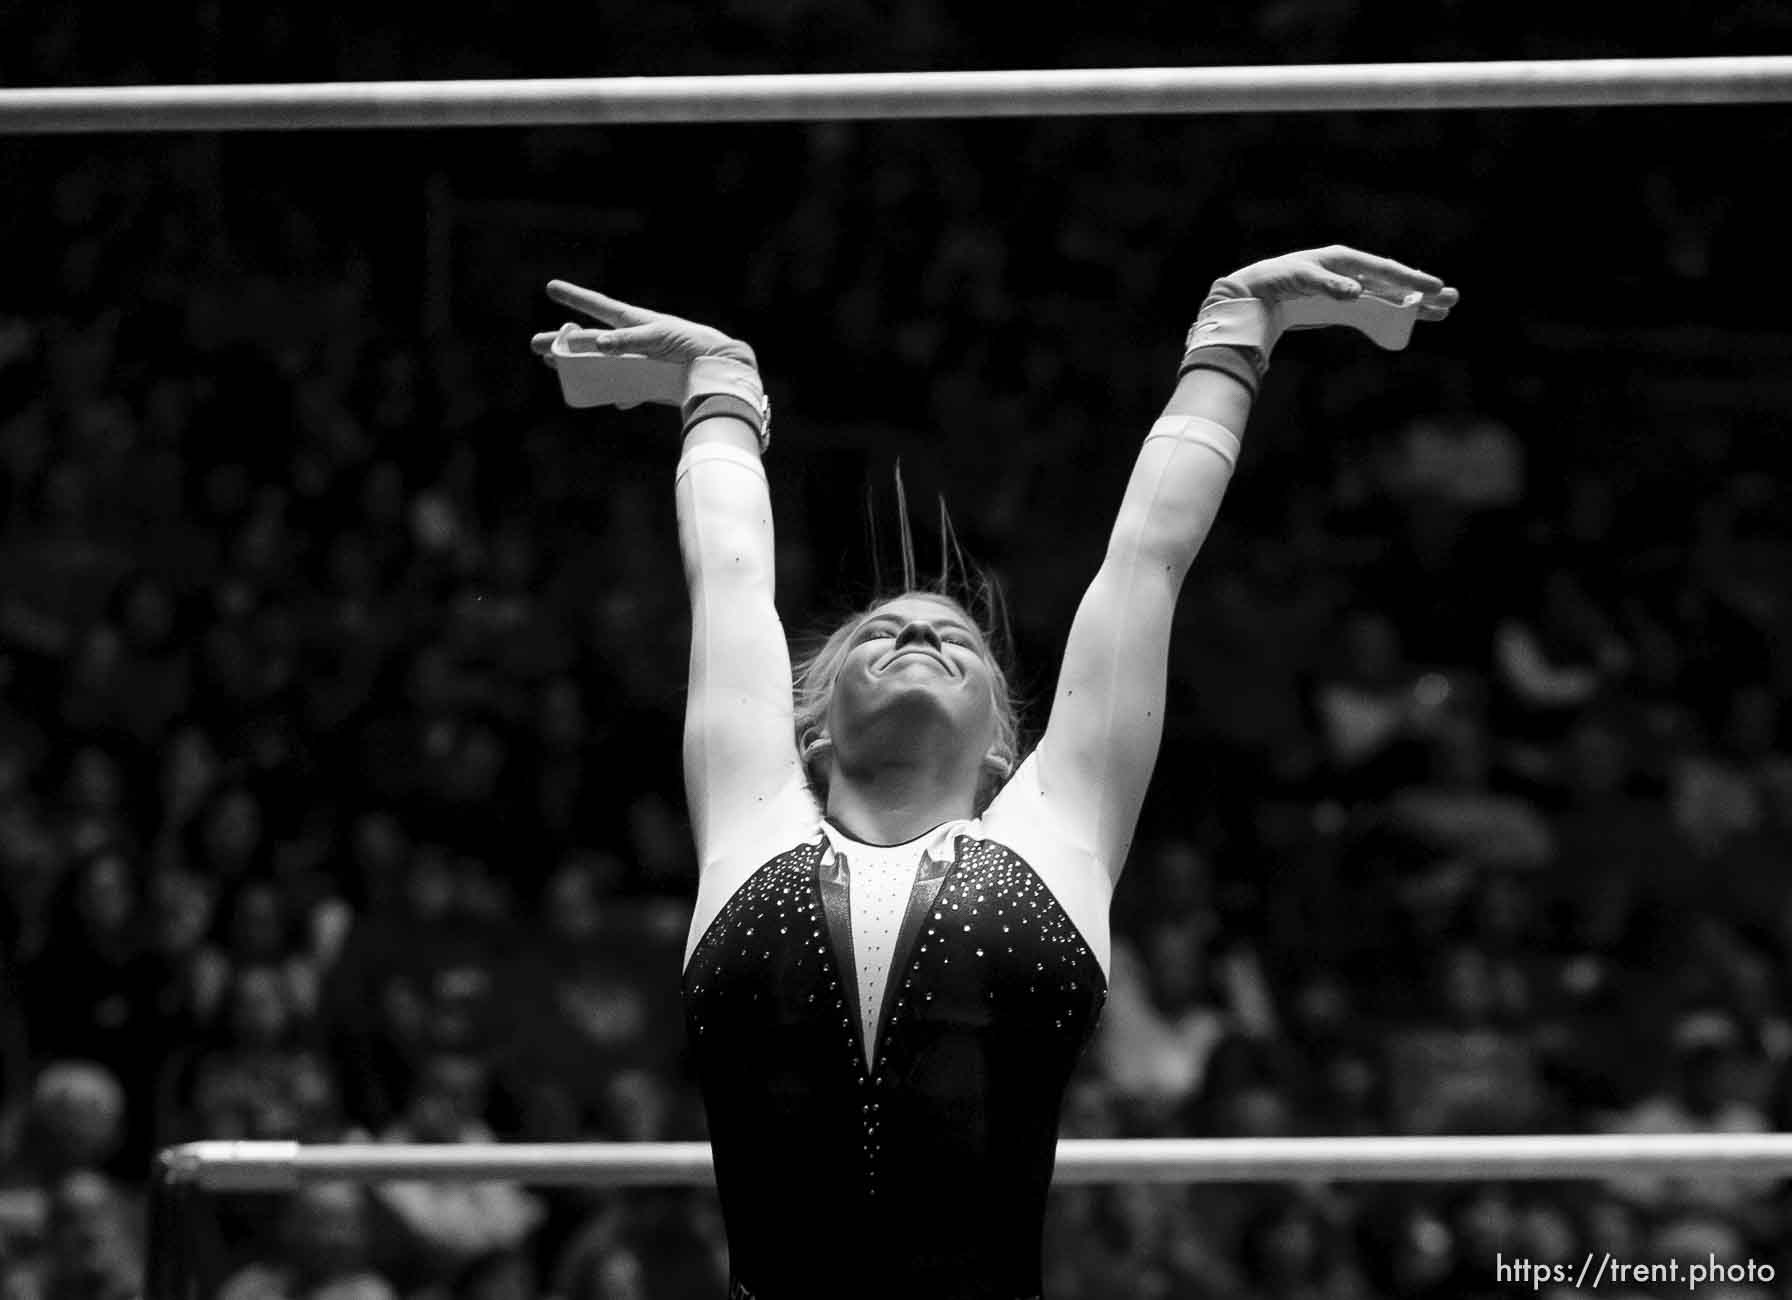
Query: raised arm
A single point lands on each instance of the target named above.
(740, 757)
(1101, 741)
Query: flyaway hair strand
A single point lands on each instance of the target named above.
(907, 532)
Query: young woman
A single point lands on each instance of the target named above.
(900, 942)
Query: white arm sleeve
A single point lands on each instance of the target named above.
(744, 781)
(1100, 744)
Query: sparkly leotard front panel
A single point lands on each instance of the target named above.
(925, 1173)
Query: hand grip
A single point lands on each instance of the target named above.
(601, 379)
(1388, 322)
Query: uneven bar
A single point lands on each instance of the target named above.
(252, 1166)
(822, 97)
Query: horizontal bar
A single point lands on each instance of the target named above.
(1080, 92)
(264, 1166)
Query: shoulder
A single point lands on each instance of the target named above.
(1024, 819)
(1030, 817)
(731, 866)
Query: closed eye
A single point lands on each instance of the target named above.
(885, 629)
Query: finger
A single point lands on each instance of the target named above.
(1437, 306)
(611, 311)
(543, 344)
(1335, 285)
(1381, 270)
(637, 338)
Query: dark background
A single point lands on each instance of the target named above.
(341, 666)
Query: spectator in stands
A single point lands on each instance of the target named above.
(187, 769)
(1738, 786)
(228, 837)
(187, 975)
(1375, 712)
(95, 808)
(593, 1006)
(1710, 1090)
(1456, 452)
(565, 781)
(442, 1228)
(32, 869)
(1456, 813)
(1166, 1013)
(1472, 1066)
(86, 995)
(260, 932)
(255, 1075)
(154, 673)
(92, 1249)
(1292, 1252)
(1551, 661)
(73, 1121)
(323, 1252)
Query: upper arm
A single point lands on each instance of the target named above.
(1101, 740)
(739, 745)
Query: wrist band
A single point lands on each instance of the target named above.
(731, 380)
(1237, 362)
(1233, 335)
(702, 408)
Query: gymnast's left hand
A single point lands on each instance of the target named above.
(1336, 272)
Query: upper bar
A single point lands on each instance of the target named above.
(1352, 87)
(264, 1166)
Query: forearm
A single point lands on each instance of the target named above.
(739, 740)
(724, 505)
(1176, 491)
(723, 431)
(1181, 473)
(724, 509)
(1215, 395)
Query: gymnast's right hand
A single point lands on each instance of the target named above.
(635, 331)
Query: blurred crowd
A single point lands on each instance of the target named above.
(341, 671)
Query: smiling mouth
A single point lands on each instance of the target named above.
(916, 650)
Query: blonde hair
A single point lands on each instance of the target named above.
(816, 672)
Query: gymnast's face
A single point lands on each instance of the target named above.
(915, 664)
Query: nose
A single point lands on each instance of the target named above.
(918, 631)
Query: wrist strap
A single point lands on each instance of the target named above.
(702, 408)
(715, 374)
(708, 379)
(1234, 335)
(1239, 363)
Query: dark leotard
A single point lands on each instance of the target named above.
(925, 1174)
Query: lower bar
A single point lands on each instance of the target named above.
(252, 1166)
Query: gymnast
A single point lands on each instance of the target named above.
(900, 942)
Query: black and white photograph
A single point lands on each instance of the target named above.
(778, 650)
